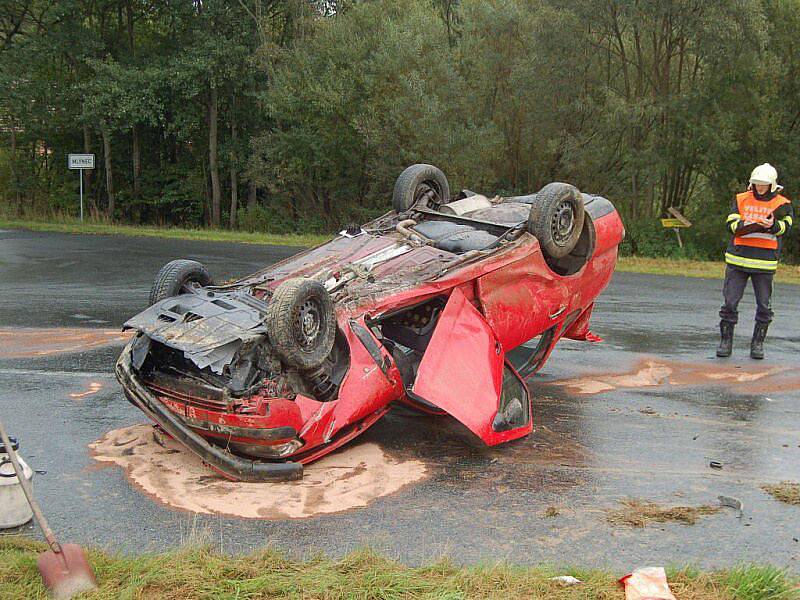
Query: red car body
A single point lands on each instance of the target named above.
(484, 307)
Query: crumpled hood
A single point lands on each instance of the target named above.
(207, 326)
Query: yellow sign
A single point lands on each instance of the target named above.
(676, 213)
(672, 223)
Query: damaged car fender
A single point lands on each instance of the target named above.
(232, 467)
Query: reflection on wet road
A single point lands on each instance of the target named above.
(640, 416)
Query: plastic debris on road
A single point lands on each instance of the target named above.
(733, 503)
(649, 583)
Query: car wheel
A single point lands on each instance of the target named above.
(556, 218)
(423, 184)
(301, 322)
(175, 275)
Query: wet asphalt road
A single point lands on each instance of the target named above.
(591, 448)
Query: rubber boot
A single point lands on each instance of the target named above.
(757, 344)
(726, 339)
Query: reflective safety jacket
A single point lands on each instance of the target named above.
(753, 247)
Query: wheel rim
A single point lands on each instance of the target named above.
(308, 324)
(563, 223)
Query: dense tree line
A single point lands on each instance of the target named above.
(298, 114)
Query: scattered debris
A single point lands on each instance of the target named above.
(648, 411)
(566, 580)
(785, 491)
(551, 511)
(640, 513)
(715, 464)
(649, 583)
(733, 503)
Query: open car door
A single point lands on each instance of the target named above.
(463, 372)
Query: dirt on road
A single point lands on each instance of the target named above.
(350, 478)
(28, 342)
(653, 372)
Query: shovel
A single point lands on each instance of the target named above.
(65, 569)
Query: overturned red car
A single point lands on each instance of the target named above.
(445, 304)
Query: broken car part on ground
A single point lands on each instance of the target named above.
(444, 304)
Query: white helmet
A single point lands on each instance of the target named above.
(765, 175)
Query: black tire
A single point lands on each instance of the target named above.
(421, 183)
(301, 322)
(556, 218)
(174, 275)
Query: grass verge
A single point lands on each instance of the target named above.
(198, 572)
(694, 268)
(213, 235)
(633, 264)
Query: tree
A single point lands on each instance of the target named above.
(314, 106)
(353, 103)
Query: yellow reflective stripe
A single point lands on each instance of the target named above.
(751, 263)
(789, 220)
(781, 228)
(733, 221)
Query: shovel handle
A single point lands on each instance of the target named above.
(26, 487)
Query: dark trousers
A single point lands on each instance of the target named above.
(733, 290)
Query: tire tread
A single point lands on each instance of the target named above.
(173, 275)
(410, 178)
(282, 303)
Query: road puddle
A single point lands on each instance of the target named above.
(352, 477)
(25, 342)
(653, 372)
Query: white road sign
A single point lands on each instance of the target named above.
(81, 161)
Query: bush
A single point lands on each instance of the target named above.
(274, 218)
(706, 239)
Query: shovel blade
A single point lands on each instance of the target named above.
(67, 573)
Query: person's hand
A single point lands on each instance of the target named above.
(769, 221)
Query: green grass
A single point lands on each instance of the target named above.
(196, 571)
(214, 235)
(694, 268)
(634, 264)
(754, 583)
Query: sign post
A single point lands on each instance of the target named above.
(675, 223)
(81, 162)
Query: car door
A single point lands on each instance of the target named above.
(463, 372)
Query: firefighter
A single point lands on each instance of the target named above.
(759, 218)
